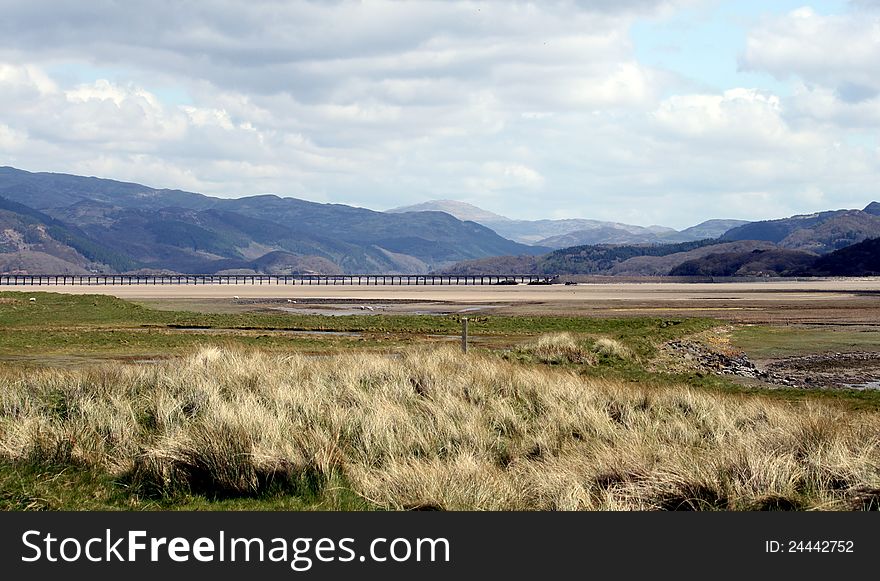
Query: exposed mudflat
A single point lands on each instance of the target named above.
(777, 301)
(857, 370)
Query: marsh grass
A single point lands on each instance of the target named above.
(430, 428)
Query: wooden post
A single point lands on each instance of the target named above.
(464, 335)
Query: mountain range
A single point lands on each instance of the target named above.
(573, 231)
(820, 244)
(66, 224)
(94, 224)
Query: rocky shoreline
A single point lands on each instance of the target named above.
(853, 370)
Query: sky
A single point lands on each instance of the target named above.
(647, 112)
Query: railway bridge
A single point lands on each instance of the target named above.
(271, 279)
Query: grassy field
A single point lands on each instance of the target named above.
(61, 324)
(238, 411)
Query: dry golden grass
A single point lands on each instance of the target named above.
(555, 348)
(560, 348)
(612, 348)
(432, 428)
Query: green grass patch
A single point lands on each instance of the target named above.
(28, 485)
(26, 344)
(771, 342)
(849, 399)
(63, 309)
(35, 485)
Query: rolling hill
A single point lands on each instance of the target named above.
(589, 259)
(821, 232)
(788, 247)
(34, 236)
(664, 264)
(862, 259)
(701, 258)
(838, 242)
(758, 262)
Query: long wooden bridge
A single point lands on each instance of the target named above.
(270, 279)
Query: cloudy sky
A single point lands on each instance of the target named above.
(642, 111)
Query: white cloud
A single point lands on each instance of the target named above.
(536, 108)
(747, 113)
(823, 105)
(10, 139)
(103, 90)
(24, 80)
(837, 51)
(504, 176)
(201, 117)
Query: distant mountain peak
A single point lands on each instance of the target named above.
(564, 232)
(461, 210)
(657, 229)
(873, 208)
